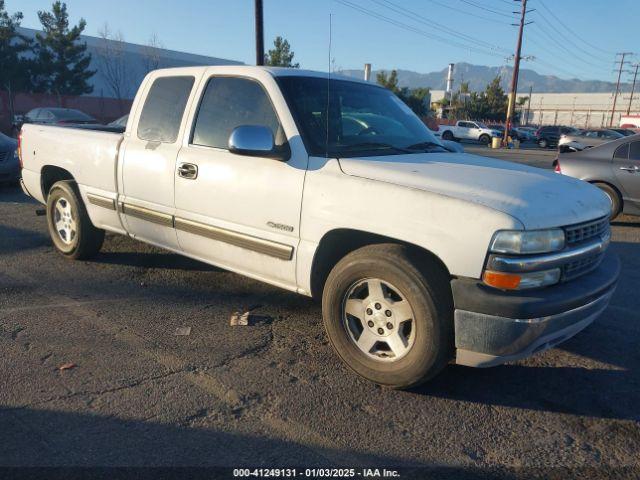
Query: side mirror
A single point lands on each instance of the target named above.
(252, 140)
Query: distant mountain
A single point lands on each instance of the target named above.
(479, 76)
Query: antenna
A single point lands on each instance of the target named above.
(326, 147)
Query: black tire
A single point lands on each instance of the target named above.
(485, 139)
(429, 295)
(543, 143)
(614, 197)
(447, 135)
(87, 239)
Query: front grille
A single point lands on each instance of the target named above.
(579, 267)
(4, 156)
(584, 231)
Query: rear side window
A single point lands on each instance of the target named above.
(622, 152)
(634, 151)
(163, 109)
(228, 103)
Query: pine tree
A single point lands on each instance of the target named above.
(14, 74)
(281, 55)
(63, 64)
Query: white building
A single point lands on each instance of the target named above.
(136, 59)
(584, 110)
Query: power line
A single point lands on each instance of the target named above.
(464, 12)
(561, 33)
(570, 52)
(438, 26)
(481, 7)
(410, 28)
(573, 32)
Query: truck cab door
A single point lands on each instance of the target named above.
(147, 161)
(237, 211)
(462, 130)
(626, 165)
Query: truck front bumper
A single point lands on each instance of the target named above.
(493, 326)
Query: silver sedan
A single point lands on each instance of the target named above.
(614, 167)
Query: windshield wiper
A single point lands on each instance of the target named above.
(424, 145)
(377, 146)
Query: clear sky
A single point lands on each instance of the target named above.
(419, 35)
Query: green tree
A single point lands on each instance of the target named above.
(281, 55)
(496, 101)
(15, 70)
(63, 61)
(390, 82)
(415, 99)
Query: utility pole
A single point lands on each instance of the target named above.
(529, 103)
(615, 95)
(516, 72)
(259, 33)
(633, 87)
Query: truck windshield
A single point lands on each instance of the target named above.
(354, 120)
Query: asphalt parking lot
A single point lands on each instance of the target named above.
(274, 393)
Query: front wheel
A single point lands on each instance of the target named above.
(70, 227)
(543, 143)
(388, 321)
(485, 139)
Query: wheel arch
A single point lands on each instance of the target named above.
(337, 243)
(49, 175)
(613, 186)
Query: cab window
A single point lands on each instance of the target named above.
(230, 102)
(163, 109)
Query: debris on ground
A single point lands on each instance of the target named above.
(246, 317)
(67, 366)
(183, 331)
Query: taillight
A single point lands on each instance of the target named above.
(556, 166)
(19, 149)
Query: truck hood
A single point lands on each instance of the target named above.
(536, 197)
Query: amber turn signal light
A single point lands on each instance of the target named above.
(504, 281)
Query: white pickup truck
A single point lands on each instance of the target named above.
(333, 188)
(467, 130)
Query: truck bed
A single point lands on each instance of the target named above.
(90, 154)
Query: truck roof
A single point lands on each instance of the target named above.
(249, 69)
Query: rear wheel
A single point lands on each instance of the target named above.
(70, 227)
(614, 198)
(543, 143)
(388, 321)
(447, 135)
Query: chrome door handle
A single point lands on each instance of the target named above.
(188, 170)
(631, 169)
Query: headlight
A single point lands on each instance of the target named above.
(524, 242)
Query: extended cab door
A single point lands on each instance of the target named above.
(149, 158)
(237, 211)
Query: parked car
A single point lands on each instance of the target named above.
(549, 136)
(466, 130)
(57, 116)
(587, 138)
(624, 131)
(526, 134)
(513, 133)
(421, 256)
(614, 167)
(9, 165)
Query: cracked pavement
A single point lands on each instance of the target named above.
(274, 393)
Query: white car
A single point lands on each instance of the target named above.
(421, 256)
(466, 130)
